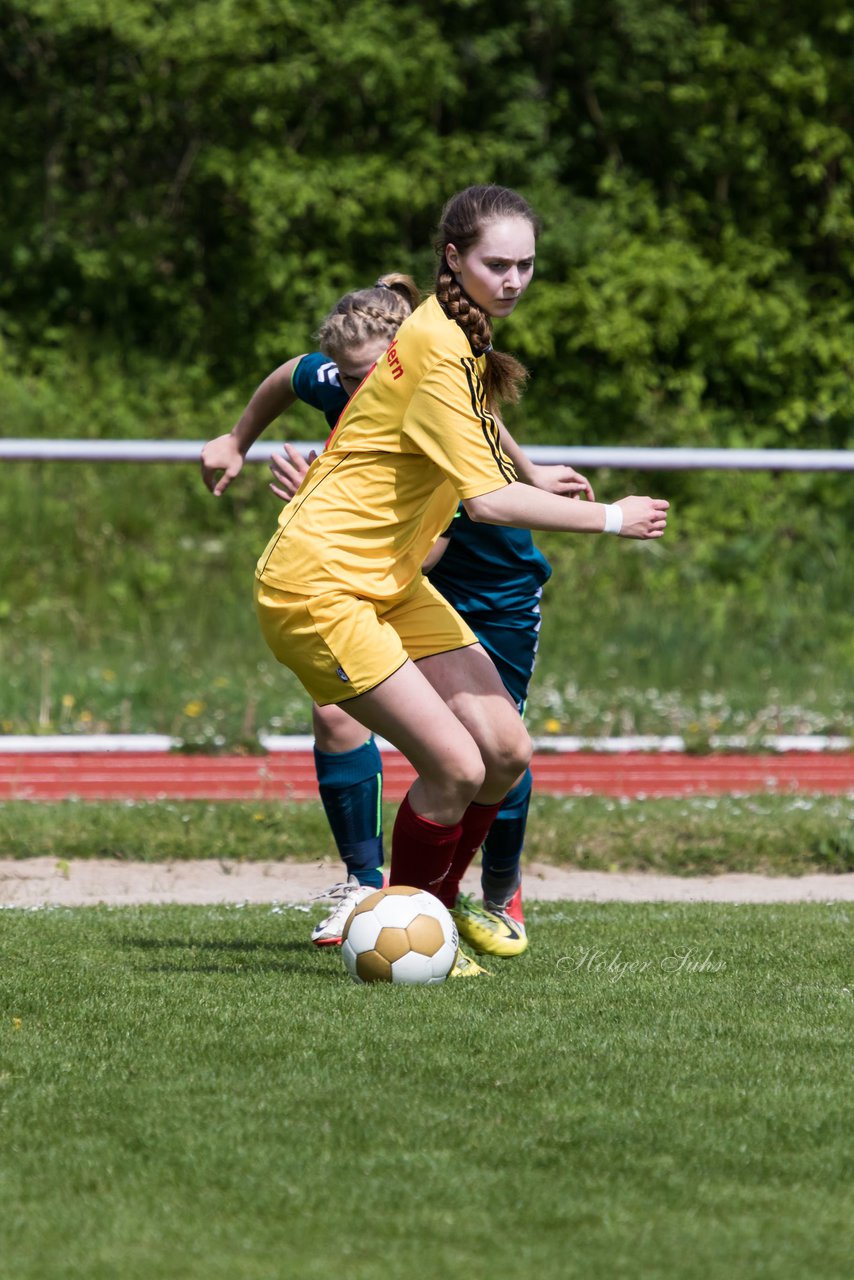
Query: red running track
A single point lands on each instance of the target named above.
(290, 775)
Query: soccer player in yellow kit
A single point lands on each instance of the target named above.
(339, 590)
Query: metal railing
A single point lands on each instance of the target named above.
(639, 459)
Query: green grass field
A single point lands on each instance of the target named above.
(125, 606)
(773, 834)
(651, 1091)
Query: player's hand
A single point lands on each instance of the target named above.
(221, 455)
(561, 479)
(288, 471)
(643, 517)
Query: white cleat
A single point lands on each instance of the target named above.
(345, 897)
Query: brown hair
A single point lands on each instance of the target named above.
(366, 314)
(462, 223)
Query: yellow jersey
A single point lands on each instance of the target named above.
(414, 439)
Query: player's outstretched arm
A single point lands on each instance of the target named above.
(222, 459)
(520, 506)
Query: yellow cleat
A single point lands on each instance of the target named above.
(465, 967)
(490, 932)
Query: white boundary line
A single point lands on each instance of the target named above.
(88, 743)
(112, 743)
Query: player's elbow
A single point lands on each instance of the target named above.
(481, 510)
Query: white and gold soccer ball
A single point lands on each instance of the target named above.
(400, 934)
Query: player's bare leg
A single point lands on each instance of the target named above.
(335, 731)
(472, 689)
(439, 815)
(452, 718)
(470, 686)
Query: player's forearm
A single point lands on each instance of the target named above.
(520, 506)
(272, 397)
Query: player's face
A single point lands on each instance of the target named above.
(497, 270)
(358, 362)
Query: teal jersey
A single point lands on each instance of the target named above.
(315, 382)
(490, 570)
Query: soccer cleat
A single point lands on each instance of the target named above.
(465, 967)
(490, 931)
(345, 896)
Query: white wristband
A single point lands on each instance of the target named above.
(613, 518)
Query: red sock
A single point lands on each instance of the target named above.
(477, 820)
(421, 850)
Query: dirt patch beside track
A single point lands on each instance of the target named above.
(39, 882)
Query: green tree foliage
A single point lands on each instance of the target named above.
(199, 182)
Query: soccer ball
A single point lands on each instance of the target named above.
(399, 934)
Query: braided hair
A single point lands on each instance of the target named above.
(368, 314)
(462, 223)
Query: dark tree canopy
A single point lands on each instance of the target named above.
(198, 182)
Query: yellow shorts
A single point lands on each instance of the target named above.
(340, 645)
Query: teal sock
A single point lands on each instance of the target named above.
(501, 871)
(350, 784)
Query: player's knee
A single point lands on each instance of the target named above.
(335, 731)
(514, 754)
(468, 776)
(462, 776)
